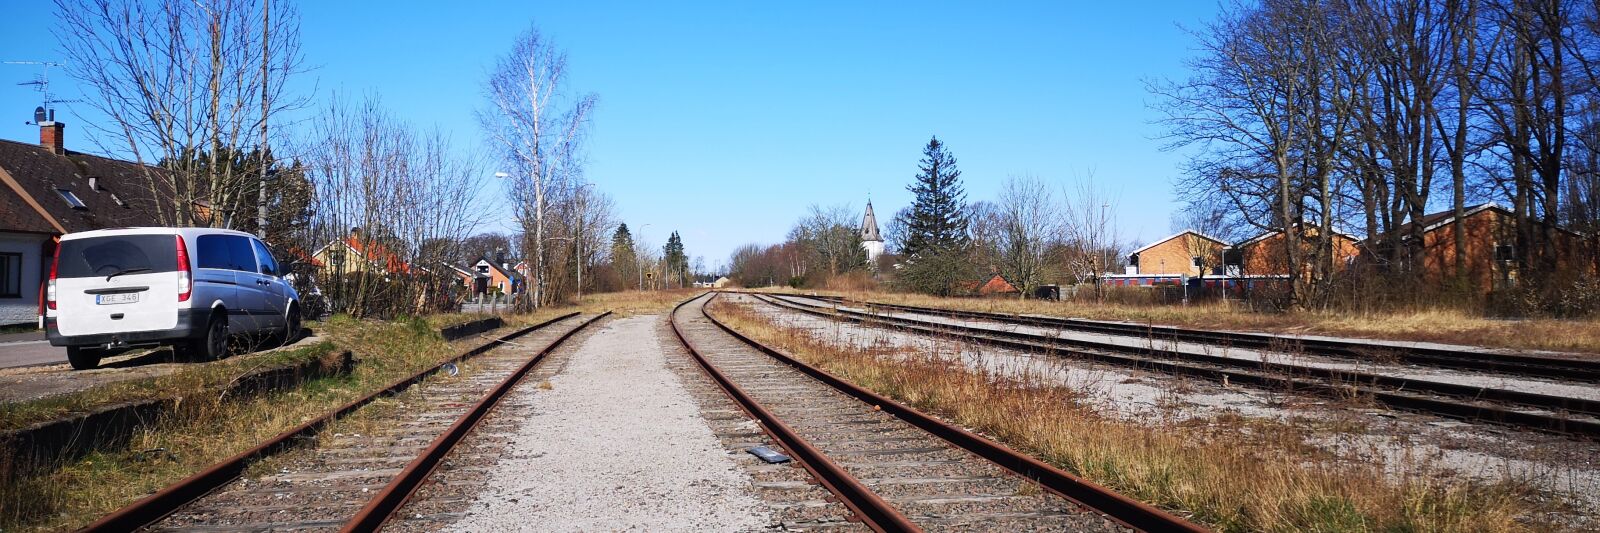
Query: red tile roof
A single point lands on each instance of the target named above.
(997, 285)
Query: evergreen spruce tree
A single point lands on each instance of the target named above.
(936, 240)
(937, 221)
(623, 260)
(677, 262)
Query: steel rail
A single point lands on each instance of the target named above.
(1127, 511)
(1507, 363)
(866, 505)
(400, 488)
(1337, 384)
(154, 507)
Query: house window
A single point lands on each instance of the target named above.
(10, 275)
(1197, 262)
(1504, 252)
(72, 199)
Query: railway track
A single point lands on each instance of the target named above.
(1544, 412)
(898, 469)
(353, 482)
(1422, 354)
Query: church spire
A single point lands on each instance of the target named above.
(869, 226)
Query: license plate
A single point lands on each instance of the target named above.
(119, 298)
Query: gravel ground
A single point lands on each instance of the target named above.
(616, 444)
(1403, 443)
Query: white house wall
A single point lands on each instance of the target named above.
(24, 309)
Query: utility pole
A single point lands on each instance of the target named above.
(266, 109)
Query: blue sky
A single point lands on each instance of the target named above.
(725, 122)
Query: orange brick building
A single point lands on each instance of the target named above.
(1490, 238)
(1265, 254)
(1187, 253)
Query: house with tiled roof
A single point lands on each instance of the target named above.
(357, 252)
(497, 277)
(47, 190)
(1489, 236)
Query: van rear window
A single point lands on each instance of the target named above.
(104, 256)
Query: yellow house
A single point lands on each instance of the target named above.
(356, 254)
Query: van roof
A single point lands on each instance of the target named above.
(151, 230)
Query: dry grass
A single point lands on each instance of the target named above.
(209, 429)
(1430, 325)
(1231, 473)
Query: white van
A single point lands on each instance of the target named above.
(190, 288)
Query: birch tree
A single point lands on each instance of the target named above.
(538, 126)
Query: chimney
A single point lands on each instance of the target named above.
(50, 136)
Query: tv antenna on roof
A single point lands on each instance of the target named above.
(45, 112)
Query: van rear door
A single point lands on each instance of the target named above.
(117, 284)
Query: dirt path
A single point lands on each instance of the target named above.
(616, 443)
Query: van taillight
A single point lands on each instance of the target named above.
(185, 277)
(50, 288)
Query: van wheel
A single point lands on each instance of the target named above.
(213, 345)
(83, 358)
(291, 326)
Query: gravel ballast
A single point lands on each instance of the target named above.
(615, 443)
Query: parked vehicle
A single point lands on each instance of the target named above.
(189, 288)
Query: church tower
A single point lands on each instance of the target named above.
(871, 240)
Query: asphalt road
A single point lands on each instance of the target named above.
(29, 349)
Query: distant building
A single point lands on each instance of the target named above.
(871, 240)
(499, 277)
(996, 285)
(358, 253)
(1489, 236)
(1189, 253)
(1267, 254)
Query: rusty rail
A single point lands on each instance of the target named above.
(871, 509)
(1128, 511)
(156, 506)
(403, 485)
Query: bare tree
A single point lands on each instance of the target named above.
(1094, 245)
(1031, 226)
(183, 84)
(389, 197)
(539, 128)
